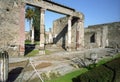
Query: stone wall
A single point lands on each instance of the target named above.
(114, 35)
(60, 32)
(11, 19)
(60, 29)
(103, 35)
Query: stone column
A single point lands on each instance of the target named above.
(69, 34)
(32, 37)
(50, 36)
(42, 31)
(22, 30)
(80, 35)
(105, 42)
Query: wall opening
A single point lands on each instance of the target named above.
(50, 17)
(32, 28)
(92, 38)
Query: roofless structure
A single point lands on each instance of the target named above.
(15, 14)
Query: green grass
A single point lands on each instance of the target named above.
(68, 77)
(108, 72)
(29, 42)
(47, 52)
(32, 53)
(104, 74)
(37, 42)
(35, 52)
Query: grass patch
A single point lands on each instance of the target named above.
(35, 52)
(108, 72)
(105, 76)
(37, 42)
(68, 77)
(29, 42)
(32, 53)
(47, 52)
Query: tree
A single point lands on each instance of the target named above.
(36, 23)
(30, 15)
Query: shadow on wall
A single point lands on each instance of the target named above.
(13, 74)
(63, 33)
(109, 72)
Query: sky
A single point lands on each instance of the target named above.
(95, 11)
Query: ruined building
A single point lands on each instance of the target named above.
(67, 32)
(60, 33)
(12, 24)
(103, 35)
(96, 36)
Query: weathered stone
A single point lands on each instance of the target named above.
(60, 31)
(9, 23)
(105, 35)
(12, 16)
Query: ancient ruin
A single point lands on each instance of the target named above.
(13, 18)
(60, 34)
(103, 35)
(72, 45)
(67, 32)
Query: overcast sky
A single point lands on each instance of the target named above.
(95, 11)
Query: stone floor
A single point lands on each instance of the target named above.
(59, 61)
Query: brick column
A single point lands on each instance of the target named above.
(80, 35)
(22, 30)
(69, 34)
(42, 31)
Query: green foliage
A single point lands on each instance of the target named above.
(91, 66)
(109, 71)
(68, 77)
(37, 42)
(36, 24)
(27, 42)
(29, 13)
(99, 74)
(33, 13)
(47, 52)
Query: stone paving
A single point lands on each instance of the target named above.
(60, 60)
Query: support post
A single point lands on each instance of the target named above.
(22, 30)
(42, 31)
(69, 33)
(32, 37)
(80, 35)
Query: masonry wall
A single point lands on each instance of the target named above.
(12, 26)
(106, 35)
(114, 35)
(89, 32)
(60, 32)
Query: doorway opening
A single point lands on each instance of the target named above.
(32, 28)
